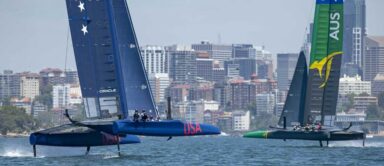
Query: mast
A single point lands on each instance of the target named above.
(325, 62)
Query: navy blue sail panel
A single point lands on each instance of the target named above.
(132, 76)
(294, 105)
(95, 59)
(110, 68)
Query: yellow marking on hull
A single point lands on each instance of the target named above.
(319, 65)
(265, 134)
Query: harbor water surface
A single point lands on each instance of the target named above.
(215, 150)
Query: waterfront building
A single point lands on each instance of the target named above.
(241, 120)
(61, 95)
(350, 117)
(361, 103)
(355, 85)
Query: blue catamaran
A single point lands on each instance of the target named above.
(113, 83)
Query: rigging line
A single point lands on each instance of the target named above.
(66, 53)
(65, 69)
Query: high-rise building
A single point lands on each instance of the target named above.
(354, 32)
(29, 85)
(218, 75)
(218, 52)
(204, 68)
(9, 85)
(183, 66)
(374, 57)
(243, 51)
(245, 67)
(286, 64)
(155, 59)
(264, 69)
(159, 82)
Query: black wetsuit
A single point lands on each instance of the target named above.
(144, 117)
(136, 117)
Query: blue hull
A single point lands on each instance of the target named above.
(163, 128)
(77, 136)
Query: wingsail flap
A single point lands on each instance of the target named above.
(137, 90)
(112, 76)
(294, 105)
(325, 61)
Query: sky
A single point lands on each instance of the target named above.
(33, 33)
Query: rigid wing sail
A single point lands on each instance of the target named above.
(310, 109)
(113, 82)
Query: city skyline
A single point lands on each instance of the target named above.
(33, 40)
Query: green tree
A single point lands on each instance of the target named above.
(13, 119)
(364, 94)
(374, 113)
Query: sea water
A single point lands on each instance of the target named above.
(212, 150)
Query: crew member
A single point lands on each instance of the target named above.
(144, 117)
(136, 116)
(151, 118)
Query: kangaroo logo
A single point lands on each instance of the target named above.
(319, 66)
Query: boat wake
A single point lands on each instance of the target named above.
(16, 153)
(356, 144)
